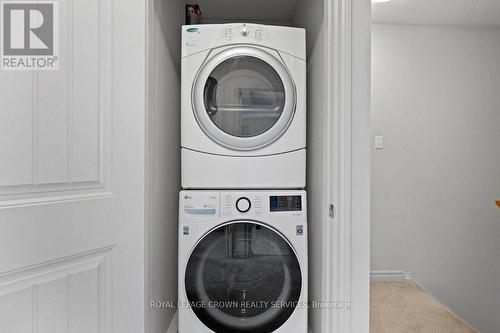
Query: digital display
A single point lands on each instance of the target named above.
(285, 203)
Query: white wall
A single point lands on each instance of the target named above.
(163, 158)
(436, 100)
(310, 15)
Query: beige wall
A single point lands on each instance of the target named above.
(436, 100)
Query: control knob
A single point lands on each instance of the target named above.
(243, 205)
(244, 30)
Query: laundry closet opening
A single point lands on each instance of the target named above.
(166, 18)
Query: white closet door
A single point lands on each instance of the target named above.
(72, 178)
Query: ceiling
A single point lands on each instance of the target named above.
(438, 12)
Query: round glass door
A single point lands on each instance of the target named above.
(243, 277)
(244, 98)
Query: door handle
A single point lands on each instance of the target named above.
(209, 96)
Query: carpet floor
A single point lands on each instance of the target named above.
(405, 308)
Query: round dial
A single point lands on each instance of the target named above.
(243, 204)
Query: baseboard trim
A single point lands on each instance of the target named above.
(400, 276)
(390, 276)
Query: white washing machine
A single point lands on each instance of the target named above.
(243, 106)
(242, 262)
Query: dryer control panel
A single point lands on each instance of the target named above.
(204, 37)
(243, 32)
(203, 205)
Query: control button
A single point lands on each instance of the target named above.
(258, 35)
(243, 205)
(229, 33)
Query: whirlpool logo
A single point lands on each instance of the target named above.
(30, 39)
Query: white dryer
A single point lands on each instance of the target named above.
(243, 106)
(242, 262)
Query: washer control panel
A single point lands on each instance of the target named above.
(235, 204)
(208, 205)
(260, 204)
(199, 205)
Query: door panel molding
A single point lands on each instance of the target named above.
(70, 119)
(47, 282)
(67, 294)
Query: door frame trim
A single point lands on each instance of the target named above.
(347, 140)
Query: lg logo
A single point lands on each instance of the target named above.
(29, 36)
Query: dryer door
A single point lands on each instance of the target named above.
(244, 97)
(243, 277)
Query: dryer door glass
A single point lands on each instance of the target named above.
(244, 96)
(243, 277)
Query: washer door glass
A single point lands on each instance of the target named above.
(243, 277)
(244, 98)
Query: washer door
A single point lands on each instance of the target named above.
(244, 98)
(243, 277)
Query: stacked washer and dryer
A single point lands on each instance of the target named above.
(242, 210)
